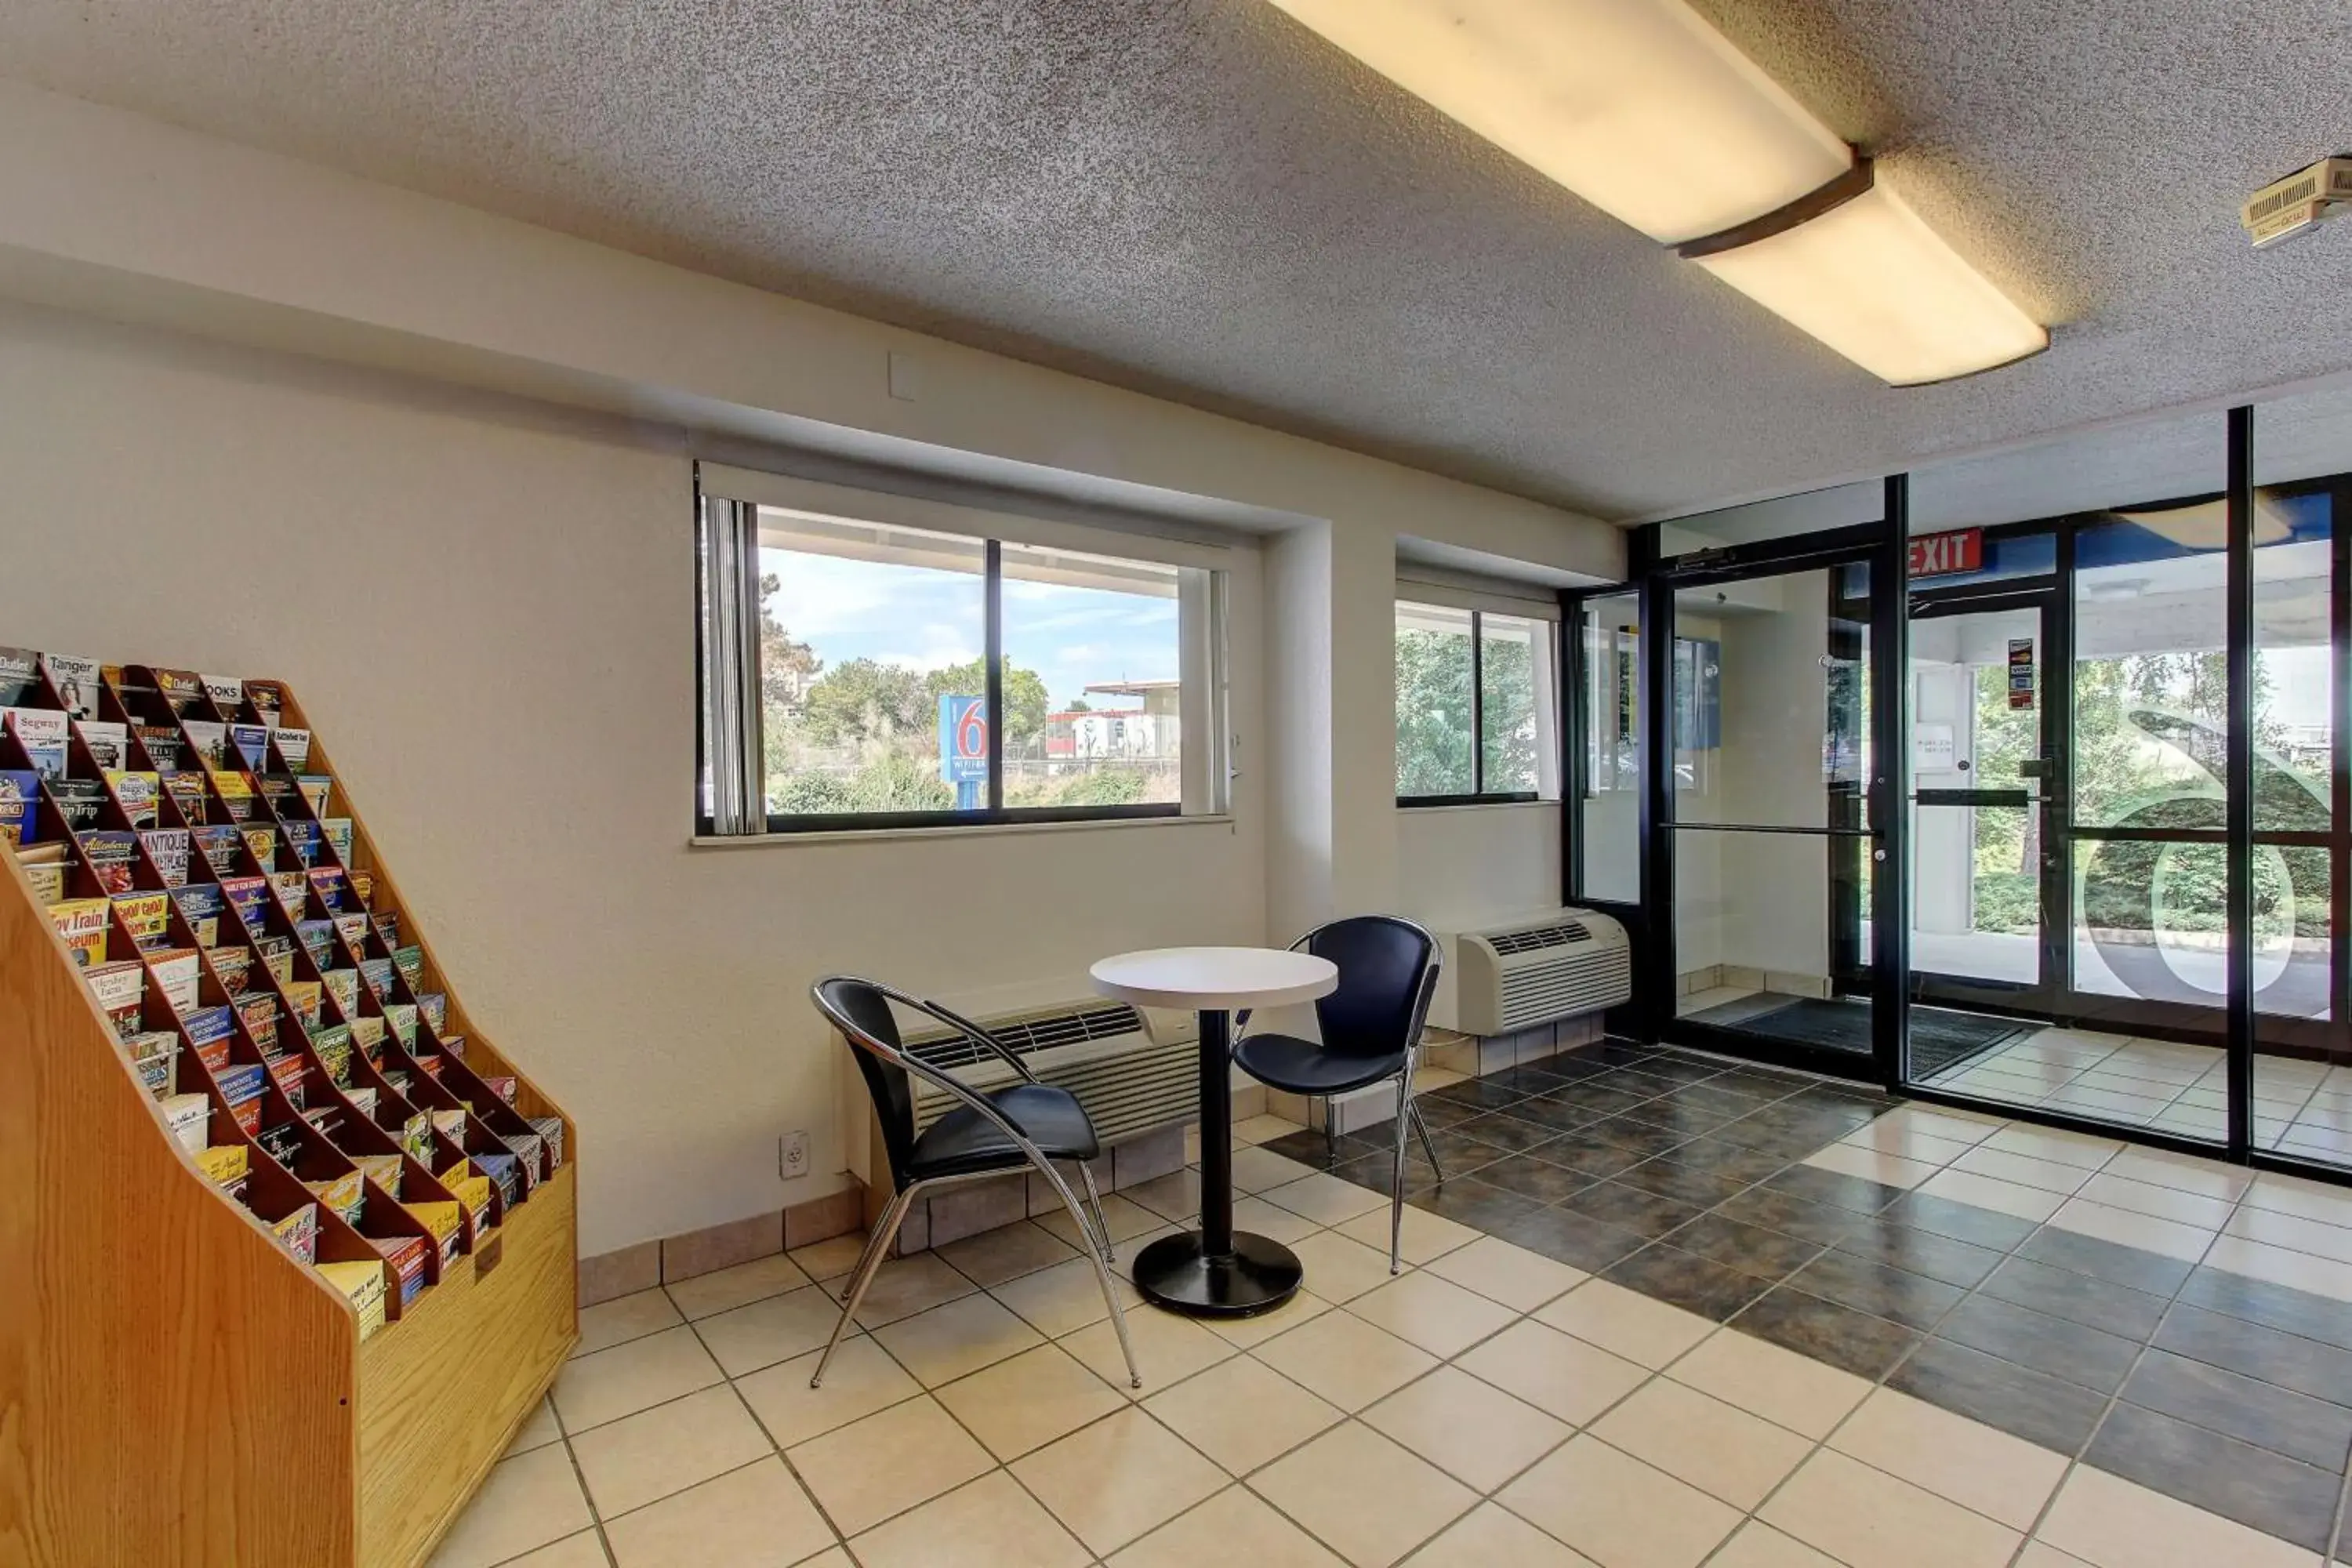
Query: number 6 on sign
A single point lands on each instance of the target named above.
(963, 747)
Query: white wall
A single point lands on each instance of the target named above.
(1462, 866)
(1775, 895)
(488, 616)
(367, 442)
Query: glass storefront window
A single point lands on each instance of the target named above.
(1610, 815)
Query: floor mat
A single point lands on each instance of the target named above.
(1940, 1038)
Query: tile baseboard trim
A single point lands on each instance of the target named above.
(668, 1259)
(969, 1211)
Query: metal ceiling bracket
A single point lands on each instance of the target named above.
(1779, 220)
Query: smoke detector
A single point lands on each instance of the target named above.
(2294, 206)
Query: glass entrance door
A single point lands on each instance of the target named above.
(1770, 834)
(1987, 836)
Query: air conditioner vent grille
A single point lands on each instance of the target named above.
(1024, 1036)
(1560, 935)
(1547, 964)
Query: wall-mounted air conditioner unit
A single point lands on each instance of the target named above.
(1134, 1068)
(1539, 968)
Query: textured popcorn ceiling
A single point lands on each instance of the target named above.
(1197, 198)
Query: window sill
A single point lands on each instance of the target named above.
(977, 830)
(1537, 804)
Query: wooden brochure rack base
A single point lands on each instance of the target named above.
(178, 1388)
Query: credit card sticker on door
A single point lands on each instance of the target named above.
(2020, 672)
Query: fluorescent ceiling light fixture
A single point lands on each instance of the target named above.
(1644, 110)
(1872, 281)
(1638, 106)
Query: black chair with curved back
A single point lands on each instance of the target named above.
(1024, 1124)
(1371, 1032)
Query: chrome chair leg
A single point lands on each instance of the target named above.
(1396, 1177)
(1102, 1223)
(1330, 1133)
(876, 1240)
(878, 1246)
(1427, 1147)
(1102, 1272)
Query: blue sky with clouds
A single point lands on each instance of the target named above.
(928, 619)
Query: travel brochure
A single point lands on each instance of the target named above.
(177, 831)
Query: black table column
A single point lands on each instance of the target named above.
(1212, 1272)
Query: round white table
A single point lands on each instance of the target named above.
(1215, 1272)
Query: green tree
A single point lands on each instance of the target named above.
(866, 700)
(1508, 675)
(1433, 714)
(2120, 767)
(889, 779)
(1102, 786)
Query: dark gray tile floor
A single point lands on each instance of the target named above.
(1680, 1175)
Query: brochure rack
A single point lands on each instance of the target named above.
(177, 1384)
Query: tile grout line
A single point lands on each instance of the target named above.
(2080, 1457)
(2171, 1301)
(595, 1516)
(925, 1390)
(1644, 1244)
(2116, 1397)
(1723, 1326)
(1231, 1478)
(1005, 1466)
(2025, 1537)
(2327, 1552)
(2039, 1227)
(807, 1491)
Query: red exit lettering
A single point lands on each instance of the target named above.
(1936, 554)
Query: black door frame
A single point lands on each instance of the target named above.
(1653, 581)
(1575, 775)
(2055, 884)
(1657, 582)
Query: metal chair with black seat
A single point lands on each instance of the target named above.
(1025, 1124)
(1371, 1032)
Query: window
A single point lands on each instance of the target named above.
(1093, 680)
(1475, 716)
(872, 690)
(881, 653)
(1612, 822)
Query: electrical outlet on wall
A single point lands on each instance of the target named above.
(793, 1155)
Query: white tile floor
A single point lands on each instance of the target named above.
(2301, 1108)
(1488, 1406)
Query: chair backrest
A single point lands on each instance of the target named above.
(861, 1010)
(1388, 971)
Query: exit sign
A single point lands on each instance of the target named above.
(1936, 554)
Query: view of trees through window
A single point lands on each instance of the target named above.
(2149, 733)
(1433, 718)
(1508, 647)
(1438, 750)
(2121, 770)
(874, 684)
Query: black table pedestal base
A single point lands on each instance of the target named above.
(1257, 1276)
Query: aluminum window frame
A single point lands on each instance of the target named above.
(1543, 671)
(728, 671)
